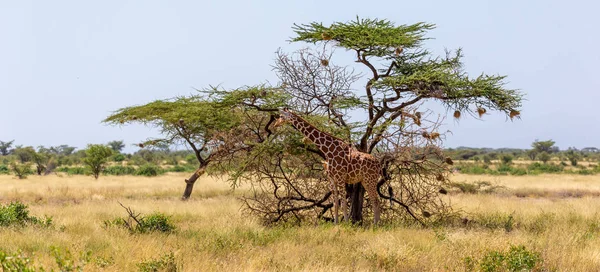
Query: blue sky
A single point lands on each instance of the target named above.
(66, 65)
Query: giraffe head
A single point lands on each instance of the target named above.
(284, 116)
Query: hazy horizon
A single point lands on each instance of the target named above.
(66, 65)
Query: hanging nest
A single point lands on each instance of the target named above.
(134, 117)
(440, 177)
(514, 113)
(181, 122)
(324, 62)
(417, 120)
(434, 135)
(481, 111)
(325, 36)
(122, 121)
(418, 114)
(426, 214)
(398, 51)
(449, 161)
(141, 145)
(426, 135)
(457, 114)
(443, 191)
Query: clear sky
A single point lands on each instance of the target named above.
(66, 65)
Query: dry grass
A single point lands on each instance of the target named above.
(213, 234)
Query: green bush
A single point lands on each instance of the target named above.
(17, 214)
(164, 263)
(21, 170)
(4, 170)
(119, 170)
(135, 223)
(537, 167)
(148, 170)
(15, 262)
(517, 258)
(73, 170)
(504, 168)
(472, 169)
(118, 157)
(516, 171)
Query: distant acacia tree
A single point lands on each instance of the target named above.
(96, 157)
(5, 147)
(116, 146)
(544, 146)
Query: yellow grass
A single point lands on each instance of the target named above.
(213, 233)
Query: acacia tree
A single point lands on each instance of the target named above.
(389, 117)
(96, 157)
(5, 147)
(192, 121)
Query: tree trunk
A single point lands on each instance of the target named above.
(357, 196)
(189, 183)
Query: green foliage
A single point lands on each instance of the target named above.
(17, 214)
(73, 170)
(24, 154)
(136, 223)
(15, 262)
(119, 170)
(536, 168)
(544, 157)
(116, 146)
(5, 147)
(164, 263)
(66, 261)
(544, 146)
(21, 170)
(4, 170)
(507, 159)
(96, 156)
(148, 170)
(487, 159)
(118, 157)
(517, 258)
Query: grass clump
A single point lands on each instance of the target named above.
(17, 214)
(477, 187)
(165, 262)
(136, 223)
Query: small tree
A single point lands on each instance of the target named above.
(544, 146)
(544, 157)
(116, 146)
(21, 170)
(96, 157)
(532, 154)
(507, 159)
(572, 156)
(5, 147)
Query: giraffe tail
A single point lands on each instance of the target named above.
(391, 193)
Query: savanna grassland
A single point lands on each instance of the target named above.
(550, 222)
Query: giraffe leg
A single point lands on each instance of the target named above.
(344, 202)
(336, 203)
(371, 187)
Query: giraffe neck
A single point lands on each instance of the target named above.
(328, 144)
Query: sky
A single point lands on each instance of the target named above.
(67, 65)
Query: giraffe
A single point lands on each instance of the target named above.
(344, 163)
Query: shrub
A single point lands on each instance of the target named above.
(66, 261)
(119, 170)
(164, 263)
(96, 157)
(4, 170)
(136, 223)
(17, 214)
(474, 188)
(504, 168)
(537, 167)
(15, 262)
(518, 171)
(487, 159)
(149, 170)
(73, 170)
(517, 258)
(21, 170)
(472, 169)
(507, 159)
(118, 158)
